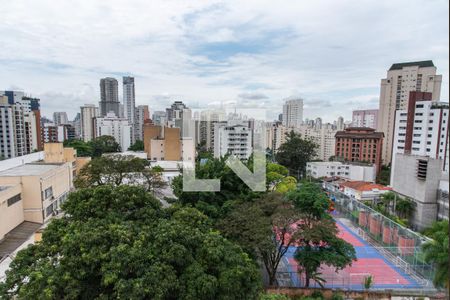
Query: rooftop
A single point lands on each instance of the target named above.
(32, 169)
(420, 64)
(365, 186)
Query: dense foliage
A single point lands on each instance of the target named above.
(437, 252)
(95, 148)
(137, 146)
(120, 169)
(253, 225)
(384, 176)
(117, 242)
(317, 235)
(295, 153)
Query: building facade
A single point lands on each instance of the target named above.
(109, 97)
(275, 135)
(142, 116)
(129, 102)
(418, 179)
(293, 113)
(165, 143)
(88, 113)
(365, 118)
(20, 124)
(232, 139)
(401, 79)
(119, 128)
(348, 171)
(359, 144)
(422, 128)
(323, 136)
(60, 118)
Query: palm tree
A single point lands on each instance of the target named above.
(436, 252)
(387, 199)
(404, 208)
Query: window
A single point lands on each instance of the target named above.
(419, 105)
(48, 193)
(14, 199)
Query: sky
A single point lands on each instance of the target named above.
(248, 53)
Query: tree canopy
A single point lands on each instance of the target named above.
(120, 169)
(295, 153)
(437, 252)
(117, 242)
(137, 146)
(254, 226)
(94, 148)
(317, 234)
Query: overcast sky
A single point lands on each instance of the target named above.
(254, 53)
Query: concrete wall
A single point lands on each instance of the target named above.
(423, 192)
(10, 216)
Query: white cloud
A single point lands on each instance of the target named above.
(217, 51)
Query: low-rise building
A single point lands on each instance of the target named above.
(33, 188)
(364, 191)
(164, 143)
(349, 171)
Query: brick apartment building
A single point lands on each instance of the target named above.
(359, 144)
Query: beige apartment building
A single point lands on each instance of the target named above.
(35, 191)
(165, 143)
(401, 79)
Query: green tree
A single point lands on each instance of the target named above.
(215, 204)
(137, 146)
(437, 252)
(120, 169)
(404, 208)
(277, 179)
(317, 238)
(295, 153)
(119, 243)
(104, 144)
(384, 176)
(264, 228)
(83, 149)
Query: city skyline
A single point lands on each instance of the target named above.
(216, 52)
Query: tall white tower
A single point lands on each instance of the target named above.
(293, 113)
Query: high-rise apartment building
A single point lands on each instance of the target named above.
(52, 133)
(109, 96)
(19, 124)
(88, 113)
(422, 129)
(401, 79)
(275, 135)
(359, 144)
(60, 118)
(111, 125)
(175, 111)
(232, 139)
(159, 118)
(323, 136)
(129, 100)
(293, 113)
(142, 116)
(365, 118)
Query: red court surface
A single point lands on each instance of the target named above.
(348, 237)
(369, 262)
